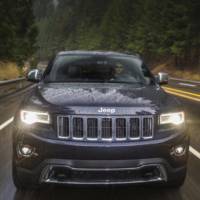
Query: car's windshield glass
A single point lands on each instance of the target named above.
(90, 68)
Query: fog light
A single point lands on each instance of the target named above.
(26, 151)
(178, 150)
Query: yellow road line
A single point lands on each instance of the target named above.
(181, 91)
(182, 95)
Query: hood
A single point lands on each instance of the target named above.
(67, 95)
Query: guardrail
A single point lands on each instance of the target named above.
(11, 86)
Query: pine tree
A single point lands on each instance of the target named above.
(17, 30)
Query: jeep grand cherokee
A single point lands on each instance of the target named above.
(98, 118)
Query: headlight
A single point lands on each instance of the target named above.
(172, 118)
(30, 117)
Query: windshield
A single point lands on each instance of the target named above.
(90, 68)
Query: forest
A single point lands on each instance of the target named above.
(156, 29)
(18, 31)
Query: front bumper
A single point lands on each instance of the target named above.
(65, 162)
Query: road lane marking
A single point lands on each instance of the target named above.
(184, 80)
(194, 152)
(187, 84)
(6, 123)
(181, 91)
(182, 95)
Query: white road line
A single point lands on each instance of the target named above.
(184, 80)
(195, 152)
(187, 84)
(6, 123)
(9, 121)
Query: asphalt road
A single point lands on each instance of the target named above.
(190, 190)
(189, 86)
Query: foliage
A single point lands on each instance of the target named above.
(154, 28)
(17, 30)
(9, 70)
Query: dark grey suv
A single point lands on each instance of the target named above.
(98, 118)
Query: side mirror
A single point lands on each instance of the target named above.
(34, 75)
(162, 78)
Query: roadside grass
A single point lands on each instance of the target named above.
(172, 71)
(9, 70)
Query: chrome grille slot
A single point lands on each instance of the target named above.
(63, 126)
(106, 124)
(147, 127)
(92, 128)
(77, 127)
(134, 128)
(101, 128)
(121, 128)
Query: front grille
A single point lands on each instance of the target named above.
(102, 128)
